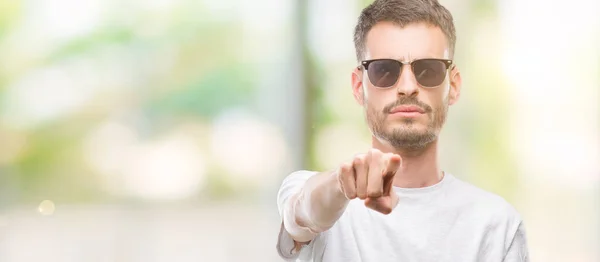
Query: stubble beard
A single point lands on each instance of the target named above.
(406, 137)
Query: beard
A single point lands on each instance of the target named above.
(407, 136)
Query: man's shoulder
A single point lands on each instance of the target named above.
(482, 201)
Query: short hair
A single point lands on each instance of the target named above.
(403, 13)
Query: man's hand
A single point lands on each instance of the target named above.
(324, 197)
(370, 177)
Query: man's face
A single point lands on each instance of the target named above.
(386, 108)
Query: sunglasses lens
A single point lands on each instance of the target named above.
(384, 73)
(429, 72)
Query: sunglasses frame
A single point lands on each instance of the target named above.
(365, 64)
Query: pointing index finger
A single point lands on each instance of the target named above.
(393, 165)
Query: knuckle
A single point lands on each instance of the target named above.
(345, 168)
(375, 152)
(375, 194)
(358, 162)
(361, 155)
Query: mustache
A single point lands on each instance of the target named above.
(407, 101)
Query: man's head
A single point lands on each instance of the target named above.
(405, 102)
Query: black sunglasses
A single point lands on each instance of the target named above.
(429, 72)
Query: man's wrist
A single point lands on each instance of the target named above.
(338, 194)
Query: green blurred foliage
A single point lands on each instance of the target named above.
(200, 84)
(87, 44)
(211, 93)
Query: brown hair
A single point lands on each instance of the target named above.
(403, 13)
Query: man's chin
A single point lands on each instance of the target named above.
(407, 128)
(409, 139)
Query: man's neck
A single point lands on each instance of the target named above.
(419, 168)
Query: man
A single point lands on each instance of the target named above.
(394, 203)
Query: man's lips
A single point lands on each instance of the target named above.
(407, 109)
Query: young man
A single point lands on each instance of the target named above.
(394, 203)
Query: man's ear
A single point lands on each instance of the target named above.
(455, 85)
(357, 86)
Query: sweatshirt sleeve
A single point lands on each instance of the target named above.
(518, 251)
(290, 186)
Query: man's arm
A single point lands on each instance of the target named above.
(292, 236)
(321, 201)
(311, 203)
(315, 208)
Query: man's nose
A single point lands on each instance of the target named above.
(407, 84)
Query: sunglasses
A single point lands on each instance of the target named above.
(429, 72)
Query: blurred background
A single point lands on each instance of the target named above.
(160, 130)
